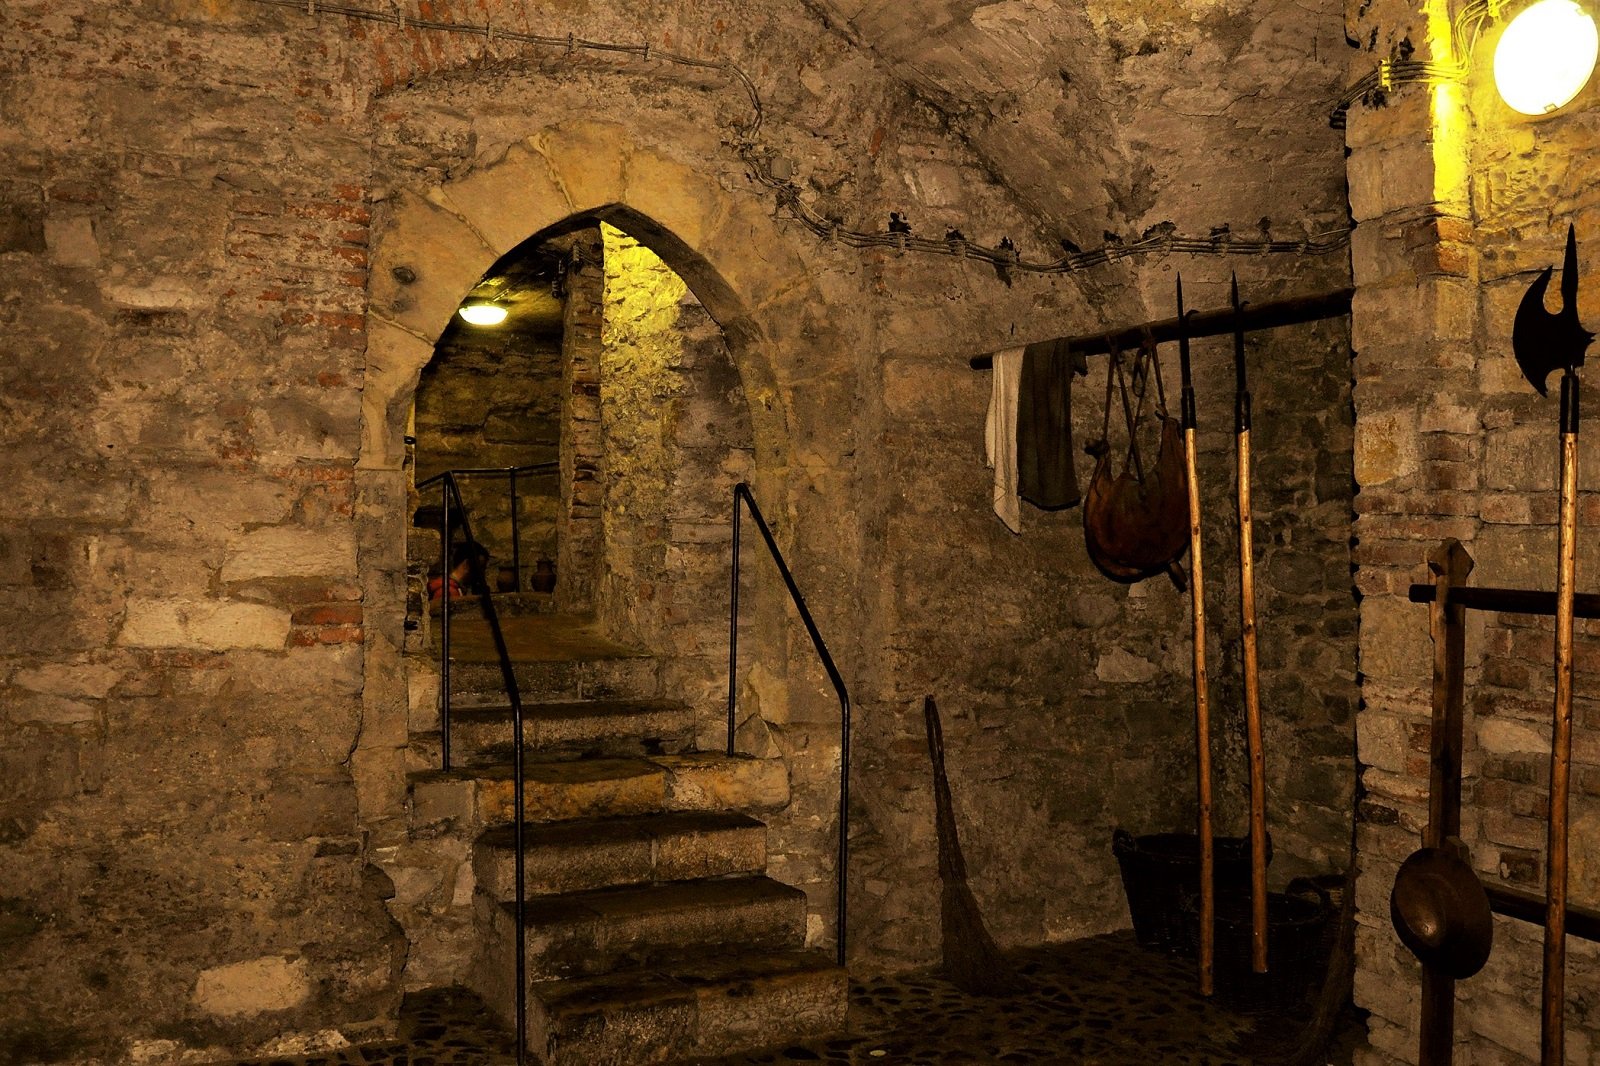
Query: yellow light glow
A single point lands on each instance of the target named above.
(1545, 56)
(482, 313)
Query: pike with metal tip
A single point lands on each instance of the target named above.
(1545, 342)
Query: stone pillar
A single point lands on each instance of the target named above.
(579, 542)
(1418, 439)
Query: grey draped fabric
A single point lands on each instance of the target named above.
(1045, 476)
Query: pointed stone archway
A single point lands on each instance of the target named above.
(438, 242)
(432, 244)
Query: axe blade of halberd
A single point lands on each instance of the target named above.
(1545, 342)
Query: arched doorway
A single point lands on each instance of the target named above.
(595, 434)
(710, 383)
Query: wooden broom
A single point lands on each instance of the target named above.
(972, 960)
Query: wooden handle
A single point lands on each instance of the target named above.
(1451, 565)
(1553, 1044)
(1202, 722)
(1252, 716)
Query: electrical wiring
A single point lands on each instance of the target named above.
(1465, 30)
(1004, 258)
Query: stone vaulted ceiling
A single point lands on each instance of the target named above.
(1122, 114)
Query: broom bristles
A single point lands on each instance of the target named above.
(972, 960)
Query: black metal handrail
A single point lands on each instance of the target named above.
(741, 491)
(451, 494)
(510, 473)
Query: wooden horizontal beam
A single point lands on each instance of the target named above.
(1525, 906)
(1511, 601)
(1255, 317)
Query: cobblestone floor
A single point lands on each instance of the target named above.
(1099, 1001)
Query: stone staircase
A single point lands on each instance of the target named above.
(653, 934)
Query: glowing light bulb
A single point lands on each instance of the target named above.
(482, 313)
(1545, 56)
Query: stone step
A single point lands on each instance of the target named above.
(478, 797)
(481, 735)
(721, 1004)
(507, 605)
(552, 791)
(585, 934)
(621, 677)
(594, 853)
(710, 781)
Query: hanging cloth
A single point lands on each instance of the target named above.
(1136, 522)
(1045, 477)
(1000, 436)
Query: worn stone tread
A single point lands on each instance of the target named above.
(594, 853)
(612, 786)
(710, 1004)
(629, 676)
(552, 791)
(482, 734)
(599, 930)
(714, 781)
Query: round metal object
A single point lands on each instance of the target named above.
(1441, 912)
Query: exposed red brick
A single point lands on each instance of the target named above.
(345, 340)
(1419, 736)
(341, 635)
(342, 320)
(328, 614)
(70, 191)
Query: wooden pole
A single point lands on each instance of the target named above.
(1553, 1042)
(1202, 703)
(1252, 682)
(1270, 315)
(1451, 566)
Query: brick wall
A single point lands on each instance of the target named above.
(1458, 202)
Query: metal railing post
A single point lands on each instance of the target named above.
(741, 491)
(516, 534)
(508, 676)
(733, 623)
(444, 624)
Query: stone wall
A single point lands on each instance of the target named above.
(233, 235)
(492, 398)
(677, 439)
(1067, 698)
(1067, 702)
(1458, 203)
(579, 550)
(182, 674)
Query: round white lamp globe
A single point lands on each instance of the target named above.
(482, 313)
(1545, 56)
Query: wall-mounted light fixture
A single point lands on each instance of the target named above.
(1545, 56)
(482, 312)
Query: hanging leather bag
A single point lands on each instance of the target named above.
(1136, 521)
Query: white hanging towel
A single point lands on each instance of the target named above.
(1000, 436)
